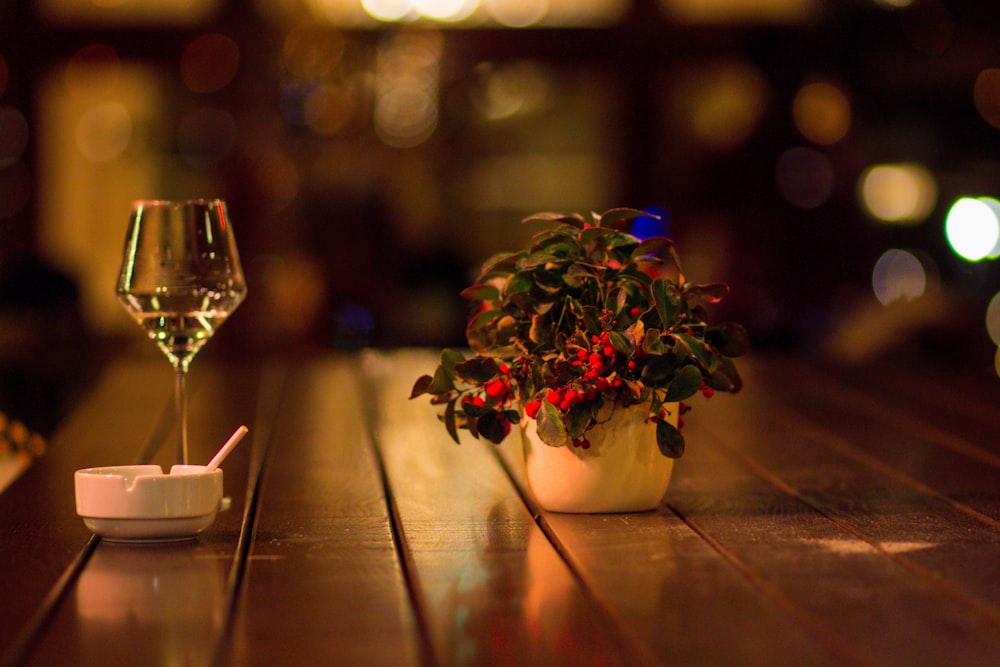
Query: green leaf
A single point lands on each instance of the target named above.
(551, 428)
(449, 421)
(729, 338)
(710, 293)
(652, 342)
(574, 219)
(517, 283)
(477, 370)
(493, 427)
(651, 246)
(667, 304)
(669, 439)
(698, 349)
(473, 410)
(451, 358)
(618, 216)
(686, 382)
(484, 318)
(481, 293)
(420, 386)
(501, 263)
(442, 382)
(621, 343)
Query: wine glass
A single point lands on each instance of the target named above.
(180, 279)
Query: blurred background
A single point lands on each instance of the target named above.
(835, 161)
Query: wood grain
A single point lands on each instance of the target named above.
(493, 587)
(324, 583)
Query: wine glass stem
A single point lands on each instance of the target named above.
(180, 399)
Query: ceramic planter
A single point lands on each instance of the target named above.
(622, 470)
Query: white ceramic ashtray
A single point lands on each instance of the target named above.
(141, 503)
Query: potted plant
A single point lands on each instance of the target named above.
(589, 339)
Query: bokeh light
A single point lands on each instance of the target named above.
(505, 90)
(723, 103)
(973, 228)
(993, 319)
(209, 63)
(13, 135)
(407, 84)
(804, 177)
(388, 10)
(517, 13)
(822, 113)
(104, 131)
(986, 95)
(445, 10)
(903, 193)
(898, 276)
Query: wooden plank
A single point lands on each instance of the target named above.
(161, 604)
(850, 547)
(492, 587)
(324, 584)
(40, 534)
(676, 593)
(908, 440)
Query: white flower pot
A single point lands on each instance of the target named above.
(622, 470)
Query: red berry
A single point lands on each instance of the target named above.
(554, 397)
(609, 351)
(532, 407)
(497, 388)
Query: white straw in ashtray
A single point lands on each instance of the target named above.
(223, 452)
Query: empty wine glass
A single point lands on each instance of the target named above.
(180, 279)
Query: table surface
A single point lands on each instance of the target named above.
(823, 516)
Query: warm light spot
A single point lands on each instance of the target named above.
(986, 95)
(206, 136)
(312, 51)
(993, 319)
(501, 91)
(13, 135)
(388, 10)
(446, 10)
(898, 193)
(972, 228)
(722, 103)
(996, 361)
(804, 177)
(407, 84)
(821, 113)
(894, 4)
(517, 13)
(104, 131)
(209, 63)
(898, 276)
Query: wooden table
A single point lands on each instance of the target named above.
(822, 517)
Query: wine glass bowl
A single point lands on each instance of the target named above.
(180, 279)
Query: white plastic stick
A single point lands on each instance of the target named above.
(234, 440)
